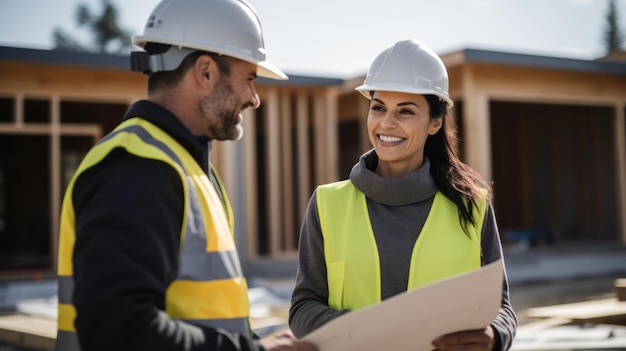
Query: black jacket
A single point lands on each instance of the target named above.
(129, 212)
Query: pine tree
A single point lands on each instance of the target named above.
(108, 36)
(613, 35)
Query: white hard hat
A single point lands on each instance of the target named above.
(408, 67)
(226, 27)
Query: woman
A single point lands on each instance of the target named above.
(410, 203)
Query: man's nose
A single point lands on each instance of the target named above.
(255, 101)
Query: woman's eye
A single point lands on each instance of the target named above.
(377, 108)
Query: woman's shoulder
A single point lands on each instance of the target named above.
(336, 185)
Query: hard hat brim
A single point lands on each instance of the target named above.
(268, 70)
(366, 90)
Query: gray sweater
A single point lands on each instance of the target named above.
(398, 208)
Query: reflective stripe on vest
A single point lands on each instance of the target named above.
(442, 249)
(209, 289)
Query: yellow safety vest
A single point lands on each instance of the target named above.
(442, 249)
(210, 289)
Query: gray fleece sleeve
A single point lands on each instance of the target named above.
(505, 323)
(309, 302)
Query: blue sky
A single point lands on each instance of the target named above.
(340, 38)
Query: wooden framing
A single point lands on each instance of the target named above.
(478, 83)
(296, 129)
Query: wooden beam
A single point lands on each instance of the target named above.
(476, 131)
(274, 200)
(609, 310)
(56, 195)
(287, 174)
(362, 111)
(319, 138)
(304, 152)
(331, 125)
(250, 183)
(619, 128)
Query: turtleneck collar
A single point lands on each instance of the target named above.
(414, 187)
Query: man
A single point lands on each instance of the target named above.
(147, 259)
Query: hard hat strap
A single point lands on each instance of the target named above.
(167, 61)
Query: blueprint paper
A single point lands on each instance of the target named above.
(411, 320)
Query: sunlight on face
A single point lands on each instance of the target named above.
(398, 125)
(232, 94)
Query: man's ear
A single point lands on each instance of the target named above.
(205, 71)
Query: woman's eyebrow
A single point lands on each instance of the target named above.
(408, 103)
(399, 104)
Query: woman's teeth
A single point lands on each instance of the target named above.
(389, 139)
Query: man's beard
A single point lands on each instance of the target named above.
(221, 112)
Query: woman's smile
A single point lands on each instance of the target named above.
(390, 140)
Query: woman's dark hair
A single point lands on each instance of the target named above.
(456, 180)
(169, 79)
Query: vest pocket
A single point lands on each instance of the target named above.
(335, 272)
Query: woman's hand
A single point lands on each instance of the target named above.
(467, 340)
